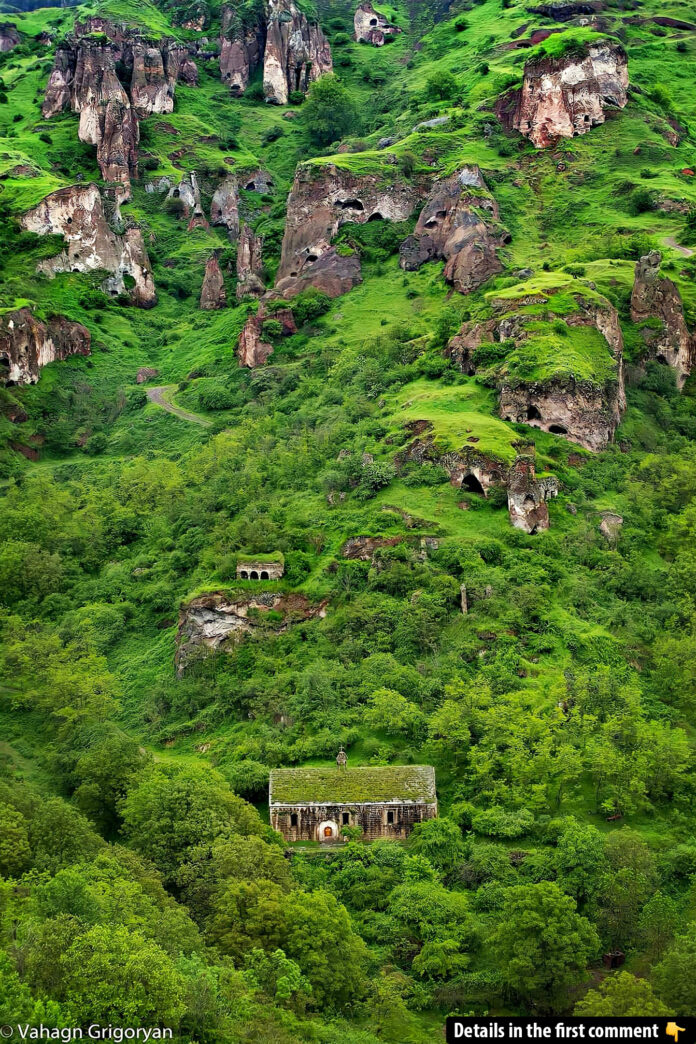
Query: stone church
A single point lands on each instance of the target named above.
(314, 804)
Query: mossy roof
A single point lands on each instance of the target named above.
(356, 783)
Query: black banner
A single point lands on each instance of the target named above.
(523, 1029)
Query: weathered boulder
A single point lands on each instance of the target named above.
(28, 343)
(249, 264)
(9, 36)
(565, 96)
(372, 27)
(323, 198)
(252, 350)
(458, 223)
(656, 297)
(77, 214)
(213, 293)
(528, 496)
(224, 209)
(146, 373)
(241, 48)
(525, 358)
(610, 526)
(219, 621)
(297, 52)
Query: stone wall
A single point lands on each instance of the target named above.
(372, 817)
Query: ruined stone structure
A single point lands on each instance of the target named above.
(656, 297)
(565, 96)
(260, 569)
(372, 27)
(314, 804)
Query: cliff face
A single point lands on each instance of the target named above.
(297, 52)
(562, 97)
(241, 49)
(656, 297)
(584, 411)
(457, 223)
(322, 199)
(372, 27)
(77, 214)
(27, 344)
(111, 83)
(224, 209)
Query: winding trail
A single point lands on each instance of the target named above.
(670, 241)
(157, 395)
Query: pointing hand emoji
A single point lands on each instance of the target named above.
(673, 1030)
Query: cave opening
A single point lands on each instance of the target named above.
(533, 413)
(473, 485)
(376, 216)
(558, 429)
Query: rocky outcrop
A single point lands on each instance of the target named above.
(241, 48)
(9, 37)
(363, 548)
(224, 209)
(213, 293)
(610, 527)
(111, 77)
(297, 52)
(656, 297)
(219, 621)
(565, 96)
(586, 411)
(323, 198)
(528, 496)
(145, 374)
(77, 214)
(252, 350)
(467, 469)
(28, 343)
(249, 264)
(458, 224)
(189, 195)
(372, 27)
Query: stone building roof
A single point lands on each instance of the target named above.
(356, 784)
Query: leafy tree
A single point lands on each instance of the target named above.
(542, 944)
(620, 996)
(15, 853)
(674, 976)
(440, 841)
(329, 111)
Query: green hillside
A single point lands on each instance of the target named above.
(548, 674)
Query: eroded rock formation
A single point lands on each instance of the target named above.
(565, 96)
(241, 48)
(213, 293)
(656, 297)
(77, 214)
(528, 496)
(189, 195)
(458, 223)
(224, 209)
(249, 264)
(372, 27)
(252, 350)
(218, 621)
(582, 410)
(111, 79)
(28, 343)
(9, 36)
(324, 197)
(297, 52)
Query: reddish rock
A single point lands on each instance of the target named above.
(145, 373)
(562, 97)
(249, 264)
(28, 343)
(213, 293)
(117, 144)
(297, 53)
(656, 297)
(252, 350)
(241, 49)
(451, 226)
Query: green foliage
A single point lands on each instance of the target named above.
(329, 112)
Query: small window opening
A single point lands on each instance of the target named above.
(390, 817)
(346, 818)
(293, 819)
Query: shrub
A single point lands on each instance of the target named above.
(441, 87)
(272, 134)
(310, 304)
(640, 202)
(46, 137)
(461, 24)
(341, 39)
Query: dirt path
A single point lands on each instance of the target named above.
(670, 241)
(157, 395)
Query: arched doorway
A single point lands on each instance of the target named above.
(533, 413)
(471, 483)
(327, 831)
